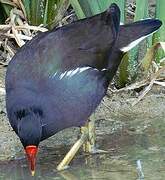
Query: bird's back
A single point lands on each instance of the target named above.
(63, 74)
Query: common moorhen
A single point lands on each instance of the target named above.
(58, 79)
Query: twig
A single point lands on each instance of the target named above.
(133, 86)
(147, 89)
(5, 27)
(20, 36)
(23, 26)
(20, 22)
(22, 8)
(8, 2)
(14, 31)
(34, 28)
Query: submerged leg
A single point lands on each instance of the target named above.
(90, 145)
(87, 139)
(69, 156)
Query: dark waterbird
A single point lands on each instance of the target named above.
(58, 79)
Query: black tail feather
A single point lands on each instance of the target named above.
(131, 34)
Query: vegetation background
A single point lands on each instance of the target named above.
(139, 128)
(20, 20)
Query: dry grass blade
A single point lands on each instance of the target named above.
(20, 22)
(132, 86)
(19, 36)
(21, 31)
(23, 27)
(14, 31)
(18, 13)
(146, 90)
(10, 50)
(34, 28)
(5, 27)
(16, 2)
(22, 8)
(8, 2)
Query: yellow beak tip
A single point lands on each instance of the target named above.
(33, 173)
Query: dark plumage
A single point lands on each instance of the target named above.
(57, 79)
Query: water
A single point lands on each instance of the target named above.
(134, 153)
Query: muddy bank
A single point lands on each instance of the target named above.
(114, 114)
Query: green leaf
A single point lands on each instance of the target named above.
(160, 35)
(123, 72)
(141, 12)
(47, 12)
(2, 14)
(78, 9)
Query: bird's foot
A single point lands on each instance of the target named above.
(98, 151)
(91, 148)
(61, 168)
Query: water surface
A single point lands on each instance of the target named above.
(134, 152)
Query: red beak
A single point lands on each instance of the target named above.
(31, 152)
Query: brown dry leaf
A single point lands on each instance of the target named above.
(20, 36)
(20, 22)
(16, 2)
(34, 28)
(5, 27)
(8, 2)
(22, 8)
(19, 41)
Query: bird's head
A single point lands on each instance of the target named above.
(30, 132)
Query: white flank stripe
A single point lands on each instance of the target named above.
(83, 69)
(73, 72)
(134, 43)
(54, 74)
(62, 75)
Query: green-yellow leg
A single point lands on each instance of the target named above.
(90, 145)
(87, 139)
(69, 156)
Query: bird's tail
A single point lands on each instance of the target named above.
(128, 37)
(131, 34)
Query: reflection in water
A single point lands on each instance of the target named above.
(132, 155)
(68, 175)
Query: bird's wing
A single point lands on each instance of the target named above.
(72, 96)
(87, 41)
(84, 42)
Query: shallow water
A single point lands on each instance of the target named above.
(134, 152)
